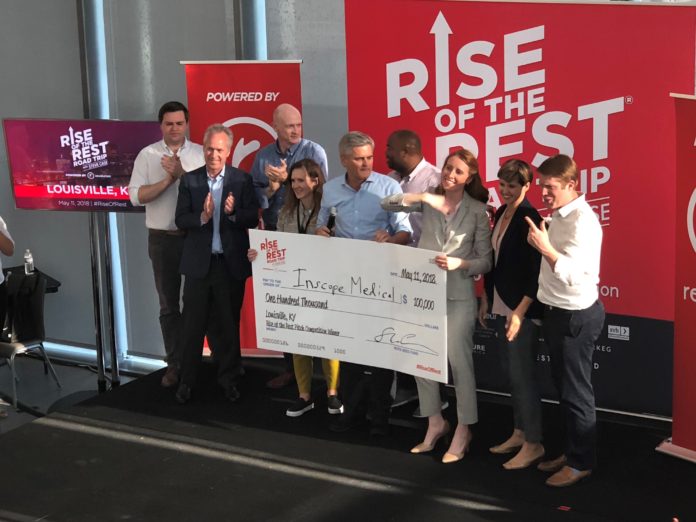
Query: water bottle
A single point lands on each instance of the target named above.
(28, 262)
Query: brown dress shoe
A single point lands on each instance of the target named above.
(170, 378)
(281, 381)
(567, 476)
(551, 466)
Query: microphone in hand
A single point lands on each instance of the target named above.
(331, 223)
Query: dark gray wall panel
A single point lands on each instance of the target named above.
(40, 64)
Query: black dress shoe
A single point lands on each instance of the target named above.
(281, 381)
(345, 423)
(232, 393)
(379, 429)
(183, 393)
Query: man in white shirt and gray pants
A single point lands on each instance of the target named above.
(155, 184)
(573, 315)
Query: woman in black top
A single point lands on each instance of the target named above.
(511, 289)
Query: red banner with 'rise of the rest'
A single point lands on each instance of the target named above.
(530, 80)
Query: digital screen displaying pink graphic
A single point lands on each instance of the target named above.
(78, 165)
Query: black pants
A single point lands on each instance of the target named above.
(165, 254)
(571, 336)
(366, 388)
(3, 308)
(215, 299)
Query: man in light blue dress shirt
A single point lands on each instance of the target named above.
(270, 168)
(356, 197)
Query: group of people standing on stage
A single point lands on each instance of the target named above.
(538, 273)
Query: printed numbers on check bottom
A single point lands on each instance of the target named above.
(423, 304)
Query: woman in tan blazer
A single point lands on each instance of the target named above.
(456, 225)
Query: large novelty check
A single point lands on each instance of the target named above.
(370, 303)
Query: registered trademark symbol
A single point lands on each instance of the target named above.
(628, 100)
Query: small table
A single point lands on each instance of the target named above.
(52, 285)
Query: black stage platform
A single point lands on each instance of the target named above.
(134, 454)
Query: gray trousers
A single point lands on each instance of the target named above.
(461, 318)
(519, 360)
(165, 253)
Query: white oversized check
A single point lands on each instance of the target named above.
(370, 303)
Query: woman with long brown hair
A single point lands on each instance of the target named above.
(299, 215)
(456, 224)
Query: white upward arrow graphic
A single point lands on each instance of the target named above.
(441, 30)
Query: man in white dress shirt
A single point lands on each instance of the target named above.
(411, 170)
(573, 315)
(155, 184)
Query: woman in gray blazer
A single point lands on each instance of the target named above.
(456, 225)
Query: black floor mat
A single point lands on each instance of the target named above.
(135, 454)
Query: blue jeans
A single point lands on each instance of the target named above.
(519, 361)
(571, 336)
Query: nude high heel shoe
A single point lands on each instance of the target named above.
(449, 458)
(519, 462)
(425, 448)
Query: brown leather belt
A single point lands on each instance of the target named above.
(158, 232)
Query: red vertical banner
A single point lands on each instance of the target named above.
(684, 392)
(242, 96)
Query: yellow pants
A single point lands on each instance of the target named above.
(304, 368)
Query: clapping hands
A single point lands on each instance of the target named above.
(172, 166)
(277, 174)
(229, 204)
(208, 209)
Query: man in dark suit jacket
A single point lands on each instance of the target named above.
(216, 206)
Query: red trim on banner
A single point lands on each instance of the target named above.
(684, 395)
